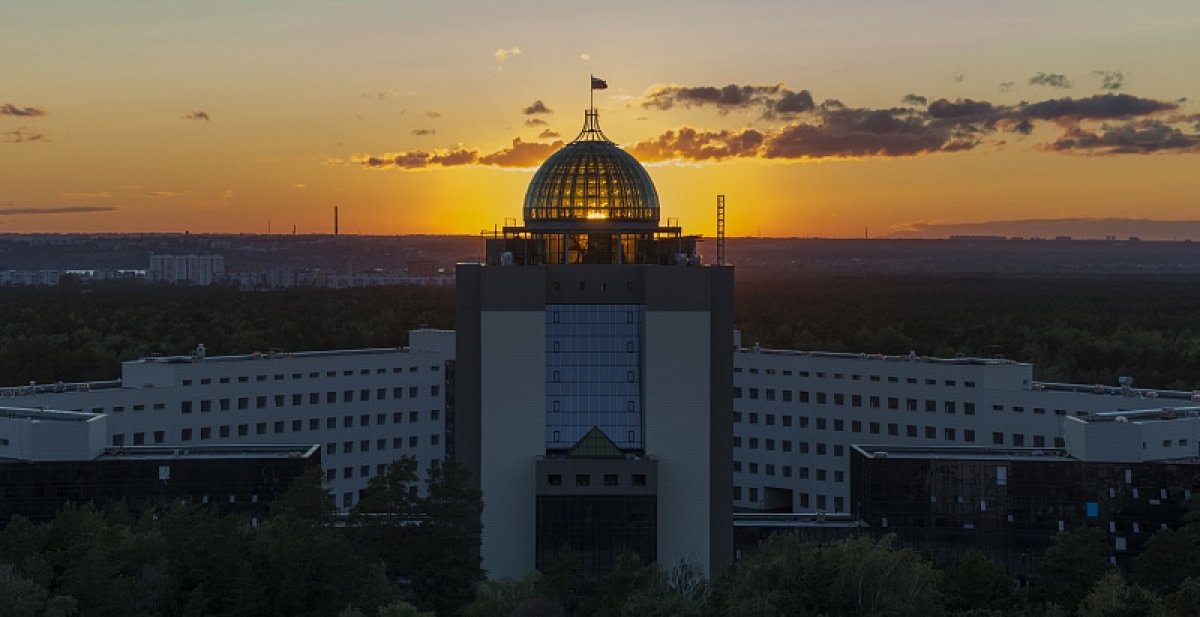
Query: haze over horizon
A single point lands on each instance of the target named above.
(819, 119)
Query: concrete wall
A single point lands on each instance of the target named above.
(678, 434)
(512, 427)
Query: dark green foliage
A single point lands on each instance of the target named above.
(1170, 557)
(1073, 328)
(977, 583)
(852, 577)
(438, 559)
(1072, 565)
(74, 334)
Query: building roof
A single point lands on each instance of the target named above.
(959, 453)
(591, 179)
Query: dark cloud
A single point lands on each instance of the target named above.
(790, 103)
(960, 108)
(689, 144)
(8, 109)
(548, 134)
(536, 107)
(725, 98)
(423, 132)
(1006, 86)
(1134, 137)
(197, 115)
(1110, 80)
(914, 99)
(54, 210)
(22, 135)
(1053, 80)
(535, 122)
(1095, 107)
(865, 132)
(520, 154)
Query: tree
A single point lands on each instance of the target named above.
(1072, 565)
(1170, 557)
(853, 577)
(976, 583)
(1113, 597)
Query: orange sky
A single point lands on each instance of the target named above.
(144, 116)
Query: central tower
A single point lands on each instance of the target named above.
(593, 386)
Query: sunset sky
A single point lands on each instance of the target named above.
(814, 118)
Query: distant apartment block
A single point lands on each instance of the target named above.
(193, 269)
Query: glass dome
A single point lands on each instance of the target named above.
(591, 179)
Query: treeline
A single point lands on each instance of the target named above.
(186, 560)
(82, 334)
(189, 561)
(1078, 329)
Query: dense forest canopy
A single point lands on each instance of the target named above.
(1081, 329)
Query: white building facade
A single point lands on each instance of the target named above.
(364, 407)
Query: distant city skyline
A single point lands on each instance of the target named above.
(816, 119)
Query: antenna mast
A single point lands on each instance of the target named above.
(720, 230)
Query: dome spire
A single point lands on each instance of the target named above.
(591, 128)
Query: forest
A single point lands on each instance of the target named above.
(1073, 328)
(401, 554)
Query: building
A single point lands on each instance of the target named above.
(193, 269)
(49, 458)
(1010, 503)
(364, 407)
(593, 374)
(797, 414)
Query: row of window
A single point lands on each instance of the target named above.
(839, 503)
(877, 402)
(608, 479)
(768, 469)
(297, 400)
(279, 426)
(204, 381)
(364, 445)
(949, 383)
(910, 430)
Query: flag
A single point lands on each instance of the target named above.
(599, 84)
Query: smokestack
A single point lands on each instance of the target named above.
(335, 220)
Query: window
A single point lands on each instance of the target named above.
(787, 420)
(821, 449)
(839, 425)
(820, 424)
(224, 431)
(753, 418)
(583, 479)
(821, 398)
(297, 426)
(770, 419)
(314, 424)
(185, 407)
(260, 402)
(893, 402)
(910, 404)
(948, 406)
(874, 426)
(638, 479)
(610, 479)
(839, 450)
(279, 426)
(802, 446)
(822, 475)
(347, 421)
(435, 439)
(381, 419)
(185, 434)
(364, 394)
(260, 428)
(893, 429)
(279, 400)
(160, 436)
(839, 399)
(118, 440)
(347, 396)
(398, 392)
(948, 434)
(839, 475)
(855, 426)
(969, 409)
(910, 430)
(243, 430)
(1019, 440)
(331, 397)
(787, 445)
(873, 402)
(930, 432)
(206, 432)
(753, 443)
(856, 400)
(969, 435)
(243, 402)
(787, 396)
(998, 438)
(364, 445)
(224, 404)
(364, 420)
(930, 406)
(330, 422)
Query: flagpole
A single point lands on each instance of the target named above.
(591, 94)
